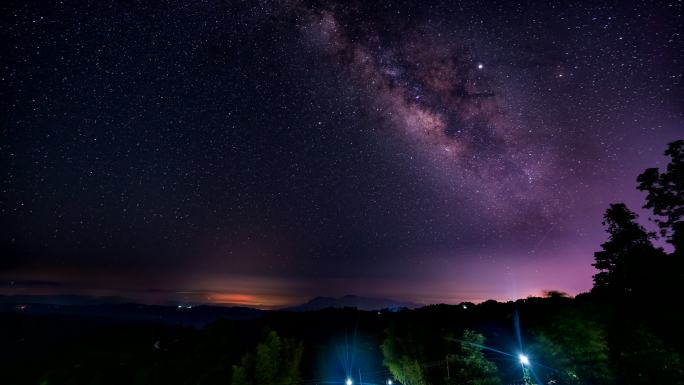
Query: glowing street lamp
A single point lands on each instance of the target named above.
(524, 360)
(349, 381)
(389, 382)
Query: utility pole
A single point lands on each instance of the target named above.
(526, 376)
(446, 359)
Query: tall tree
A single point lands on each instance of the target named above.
(471, 367)
(665, 195)
(275, 360)
(400, 358)
(628, 260)
(239, 376)
(575, 346)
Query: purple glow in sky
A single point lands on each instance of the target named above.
(263, 153)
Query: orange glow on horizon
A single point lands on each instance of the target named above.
(232, 298)
(263, 302)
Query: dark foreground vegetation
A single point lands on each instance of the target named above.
(585, 340)
(628, 330)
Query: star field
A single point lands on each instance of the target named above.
(431, 151)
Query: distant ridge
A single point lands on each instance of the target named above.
(65, 300)
(112, 309)
(123, 309)
(353, 301)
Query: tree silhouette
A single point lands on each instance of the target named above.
(666, 195)
(626, 263)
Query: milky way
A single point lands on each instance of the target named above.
(264, 152)
(432, 91)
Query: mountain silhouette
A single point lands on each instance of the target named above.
(353, 301)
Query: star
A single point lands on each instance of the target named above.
(275, 149)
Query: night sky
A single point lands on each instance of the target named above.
(265, 152)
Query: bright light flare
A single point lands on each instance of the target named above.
(389, 382)
(349, 381)
(524, 359)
